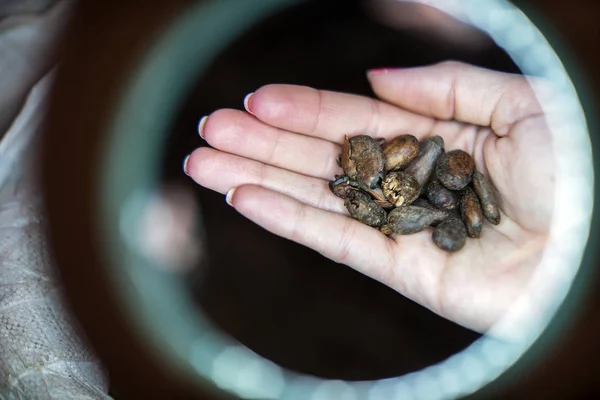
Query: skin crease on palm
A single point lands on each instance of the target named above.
(280, 155)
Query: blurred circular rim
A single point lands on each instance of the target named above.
(215, 356)
(144, 115)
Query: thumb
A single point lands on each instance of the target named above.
(459, 91)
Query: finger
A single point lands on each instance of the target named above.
(221, 172)
(453, 90)
(410, 264)
(337, 237)
(238, 132)
(331, 115)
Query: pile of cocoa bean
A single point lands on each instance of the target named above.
(403, 186)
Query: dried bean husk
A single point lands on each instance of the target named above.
(485, 193)
(379, 198)
(341, 186)
(363, 160)
(471, 212)
(400, 188)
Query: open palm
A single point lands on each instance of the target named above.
(280, 155)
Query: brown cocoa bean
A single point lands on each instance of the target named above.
(423, 166)
(422, 202)
(400, 151)
(450, 235)
(362, 208)
(485, 193)
(412, 219)
(471, 212)
(386, 230)
(454, 169)
(441, 197)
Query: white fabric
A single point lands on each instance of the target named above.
(42, 355)
(25, 42)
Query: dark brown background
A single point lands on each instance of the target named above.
(328, 320)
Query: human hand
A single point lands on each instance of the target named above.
(275, 161)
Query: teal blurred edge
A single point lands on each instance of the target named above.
(571, 308)
(157, 302)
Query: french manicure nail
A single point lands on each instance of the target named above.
(185, 164)
(229, 196)
(201, 126)
(247, 103)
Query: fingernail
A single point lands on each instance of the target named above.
(229, 196)
(201, 126)
(379, 71)
(185, 165)
(247, 103)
